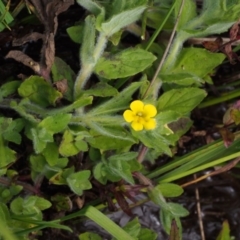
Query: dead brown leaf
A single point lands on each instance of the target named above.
(213, 46)
(174, 232)
(47, 11)
(80, 201)
(232, 56)
(25, 59)
(228, 137)
(234, 35)
(226, 48)
(62, 86)
(182, 140)
(34, 36)
(235, 31)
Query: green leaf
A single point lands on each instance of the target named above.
(9, 88)
(14, 137)
(156, 196)
(7, 155)
(181, 100)
(91, 6)
(133, 227)
(110, 138)
(29, 205)
(81, 102)
(182, 79)
(7, 193)
(40, 138)
(121, 169)
(71, 146)
(10, 129)
(158, 15)
(60, 178)
(51, 154)
(116, 37)
(75, 33)
(89, 236)
(177, 210)
(61, 202)
(124, 64)
(16, 206)
(170, 189)
(155, 140)
(146, 233)
(39, 91)
(124, 156)
(106, 223)
(208, 22)
(100, 173)
(5, 17)
(102, 89)
(121, 20)
(78, 182)
(40, 203)
(164, 118)
(188, 63)
(55, 123)
(134, 165)
(4, 212)
(60, 71)
(166, 219)
(87, 48)
(225, 232)
(118, 6)
(117, 103)
(38, 162)
(187, 14)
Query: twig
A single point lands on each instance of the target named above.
(225, 168)
(143, 151)
(199, 212)
(27, 187)
(143, 179)
(199, 41)
(166, 50)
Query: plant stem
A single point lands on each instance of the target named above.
(154, 36)
(87, 69)
(175, 46)
(27, 187)
(223, 98)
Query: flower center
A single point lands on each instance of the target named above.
(139, 114)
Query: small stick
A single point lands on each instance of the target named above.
(167, 49)
(144, 148)
(225, 168)
(199, 212)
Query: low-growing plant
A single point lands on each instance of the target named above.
(95, 128)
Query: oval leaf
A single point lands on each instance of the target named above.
(39, 91)
(124, 64)
(180, 100)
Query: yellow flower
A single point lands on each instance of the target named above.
(141, 116)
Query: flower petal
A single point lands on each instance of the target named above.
(137, 106)
(150, 124)
(129, 116)
(137, 126)
(150, 110)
